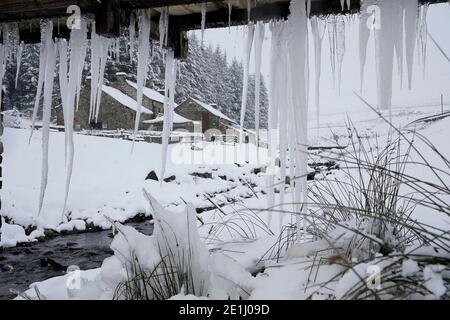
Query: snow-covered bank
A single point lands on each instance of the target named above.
(108, 179)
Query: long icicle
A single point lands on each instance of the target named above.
(169, 102)
(46, 37)
(50, 63)
(318, 32)
(143, 56)
(77, 48)
(259, 38)
(19, 62)
(297, 102)
(247, 52)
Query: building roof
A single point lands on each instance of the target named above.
(123, 99)
(176, 119)
(150, 93)
(211, 109)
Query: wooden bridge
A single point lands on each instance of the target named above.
(184, 15)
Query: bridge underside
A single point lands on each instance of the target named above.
(185, 15)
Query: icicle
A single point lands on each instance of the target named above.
(348, 4)
(163, 27)
(277, 72)
(332, 35)
(19, 62)
(83, 43)
(117, 47)
(318, 32)
(364, 33)
(230, 8)
(132, 34)
(99, 55)
(297, 102)
(423, 36)
(308, 8)
(259, 38)
(169, 102)
(384, 46)
(50, 63)
(340, 48)
(70, 92)
(411, 19)
(143, 56)
(247, 52)
(343, 5)
(3, 59)
(249, 9)
(398, 40)
(46, 37)
(203, 12)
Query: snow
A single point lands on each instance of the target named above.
(123, 99)
(12, 234)
(211, 109)
(149, 93)
(176, 119)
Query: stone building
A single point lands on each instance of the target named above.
(117, 107)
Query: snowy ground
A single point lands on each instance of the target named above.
(108, 181)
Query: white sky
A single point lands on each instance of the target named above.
(425, 91)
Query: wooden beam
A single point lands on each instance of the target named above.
(107, 18)
(219, 18)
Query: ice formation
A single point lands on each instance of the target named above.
(397, 26)
(51, 54)
(169, 103)
(203, 13)
(132, 34)
(340, 47)
(411, 20)
(99, 56)
(5, 51)
(143, 56)
(163, 27)
(247, 52)
(288, 108)
(332, 39)
(259, 38)
(18, 62)
(70, 82)
(46, 38)
(230, 8)
(318, 31)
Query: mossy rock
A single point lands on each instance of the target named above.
(50, 233)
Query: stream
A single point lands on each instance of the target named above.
(38, 261)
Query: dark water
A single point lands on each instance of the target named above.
(21, 266)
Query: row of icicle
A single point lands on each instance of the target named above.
(289, 85)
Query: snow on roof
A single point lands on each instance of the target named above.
(150, 93)
(124, 99)
(176, 119)
(212, 110)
